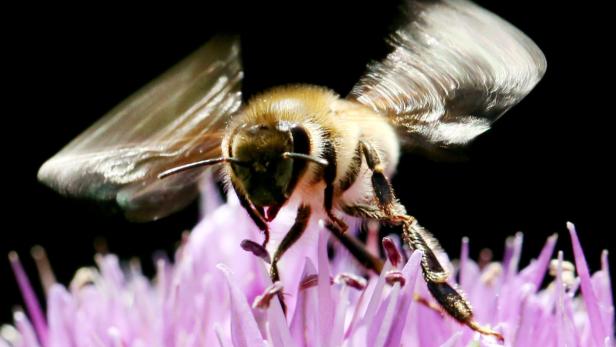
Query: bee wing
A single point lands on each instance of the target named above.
(453, 70)
(175, 119)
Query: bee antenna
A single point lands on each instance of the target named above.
(315, 160)
(196, 164)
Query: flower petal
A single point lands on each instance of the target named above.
(60, 306)
(603, 289)
(588, 294)
(464, 265)
(411, 272)
(28, 335)
(279, 331)
(32, 304)
(453, 340)
(326, 307)
(529, 323)
(222, 340)
(376, 296)
(304, 322)
(564, 322)
(543, 261)
(244, 329)
(341, 310)
(378, 331)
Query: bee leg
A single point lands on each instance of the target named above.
(370, 211)
(361, 254)
(389, 210)
(419, 239)
(436, 277)
(329, 176)
(264, 227)
(301, 221)
(296, 231)
(356, 248)
(255, 215)
(383, 191)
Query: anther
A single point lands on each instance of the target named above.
(311, 281)
(567, 272)
(263, 301)
(256, 249)
(43, 267)
(485, 257)
(351, 280)
(491, 273)
(391, 250)
(393, 277)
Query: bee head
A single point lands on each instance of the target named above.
(263, 170)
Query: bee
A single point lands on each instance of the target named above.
(452, 70)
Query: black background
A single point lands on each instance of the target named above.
(547, 161)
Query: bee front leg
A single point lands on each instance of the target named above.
(296, 231)
(255, 215)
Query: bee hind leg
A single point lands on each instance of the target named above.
(391, 211)
(435, 276)
(361, 254)
(384, 193)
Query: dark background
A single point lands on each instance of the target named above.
(547, 161)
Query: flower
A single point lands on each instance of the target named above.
(217, 294)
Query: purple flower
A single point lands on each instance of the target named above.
(217, 294)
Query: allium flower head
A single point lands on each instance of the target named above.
(216, 294)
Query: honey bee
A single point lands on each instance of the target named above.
(453, 69)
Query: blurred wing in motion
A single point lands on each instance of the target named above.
(175, 119)
(454, 69)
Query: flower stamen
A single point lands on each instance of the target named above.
(43, 267)
(351, 280)
(263, 301)
(256, 249)
(567, 275)
(393, 277)
(391, 250)
(311, 281)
